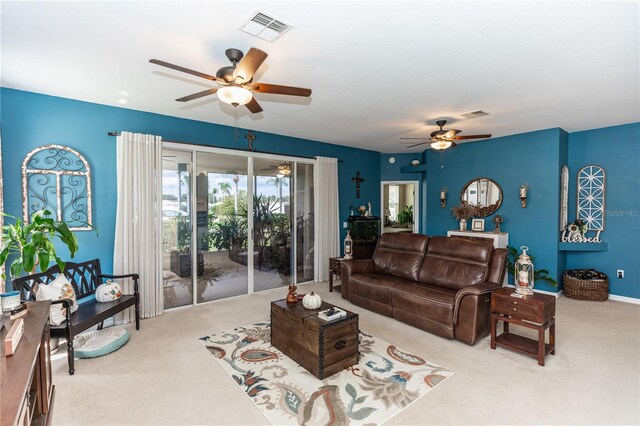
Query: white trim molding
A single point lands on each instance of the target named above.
(624, 299)
(612, 297)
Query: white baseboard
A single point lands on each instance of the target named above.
(613, 297)
(624, 299)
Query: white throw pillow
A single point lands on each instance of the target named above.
(108, 292)
(58, 289)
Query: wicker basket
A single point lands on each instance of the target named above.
(593, 290)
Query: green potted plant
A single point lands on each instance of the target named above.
(405, 217)
(32, 243)
(538, 274)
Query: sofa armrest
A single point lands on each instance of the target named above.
(472, 290)
(350, 267)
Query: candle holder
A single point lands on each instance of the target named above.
(443, 197)
(524, 189)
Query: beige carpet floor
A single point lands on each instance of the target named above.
(163, 376)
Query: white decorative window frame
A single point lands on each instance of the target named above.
(58, 172)
(564, 198)
(590, 197)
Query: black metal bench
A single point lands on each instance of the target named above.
(85, 277)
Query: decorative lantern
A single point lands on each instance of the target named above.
(523, 273)
(348, 246)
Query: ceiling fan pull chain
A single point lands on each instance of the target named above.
(236, 132)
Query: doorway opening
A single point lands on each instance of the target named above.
(400, 206)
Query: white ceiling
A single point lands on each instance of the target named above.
(379, 70)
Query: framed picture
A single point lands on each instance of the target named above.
(477, 225)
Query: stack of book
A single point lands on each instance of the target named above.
(332, 314)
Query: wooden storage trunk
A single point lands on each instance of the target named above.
(323, 348)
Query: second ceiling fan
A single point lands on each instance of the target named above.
(236, 81)
(444, 139)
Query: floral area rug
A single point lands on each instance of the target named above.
(384, 382)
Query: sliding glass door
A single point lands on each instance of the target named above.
(304, 222)
(272, 219)
(222, 226)
(176, 228)
(248, 226)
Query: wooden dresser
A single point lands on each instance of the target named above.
(27, 390)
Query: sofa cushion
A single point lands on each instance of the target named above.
(376, 287)
(425, 301)
(455, 263)
(400, 254)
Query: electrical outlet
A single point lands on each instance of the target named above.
(345, 225)
(620, 273)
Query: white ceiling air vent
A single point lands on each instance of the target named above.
(474, 114)
(265, 27)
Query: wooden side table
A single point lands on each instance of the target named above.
(536, 311)
(335, 264)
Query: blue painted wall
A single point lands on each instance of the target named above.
(30, 120)
(617, 150)
(511, 160)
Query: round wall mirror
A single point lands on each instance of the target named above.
(484, 194)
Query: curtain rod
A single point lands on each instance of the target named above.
(116, 133)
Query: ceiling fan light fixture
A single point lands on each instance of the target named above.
(284, 169)
(234, 95)
(440, 144)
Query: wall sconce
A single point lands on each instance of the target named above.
(443, 197)
(524, 188)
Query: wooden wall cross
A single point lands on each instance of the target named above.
(357, 179)
(250, 137)
(497, 220)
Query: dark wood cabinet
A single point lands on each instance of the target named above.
(536, 312)
(365, 231)
(335, 264)
(27, 390)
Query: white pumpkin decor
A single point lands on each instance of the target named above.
(108, 292)
(311, 301)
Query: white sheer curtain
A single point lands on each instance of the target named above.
(326, 215)
(139, 219)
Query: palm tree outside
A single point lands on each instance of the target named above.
(225, 188)
(279, 182)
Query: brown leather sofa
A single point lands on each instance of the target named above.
(439, 284)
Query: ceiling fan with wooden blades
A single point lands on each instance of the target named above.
(236, 81)
(443, 139)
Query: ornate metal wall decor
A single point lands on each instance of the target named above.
(591, 201)
(57, 178)
(590, 206)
